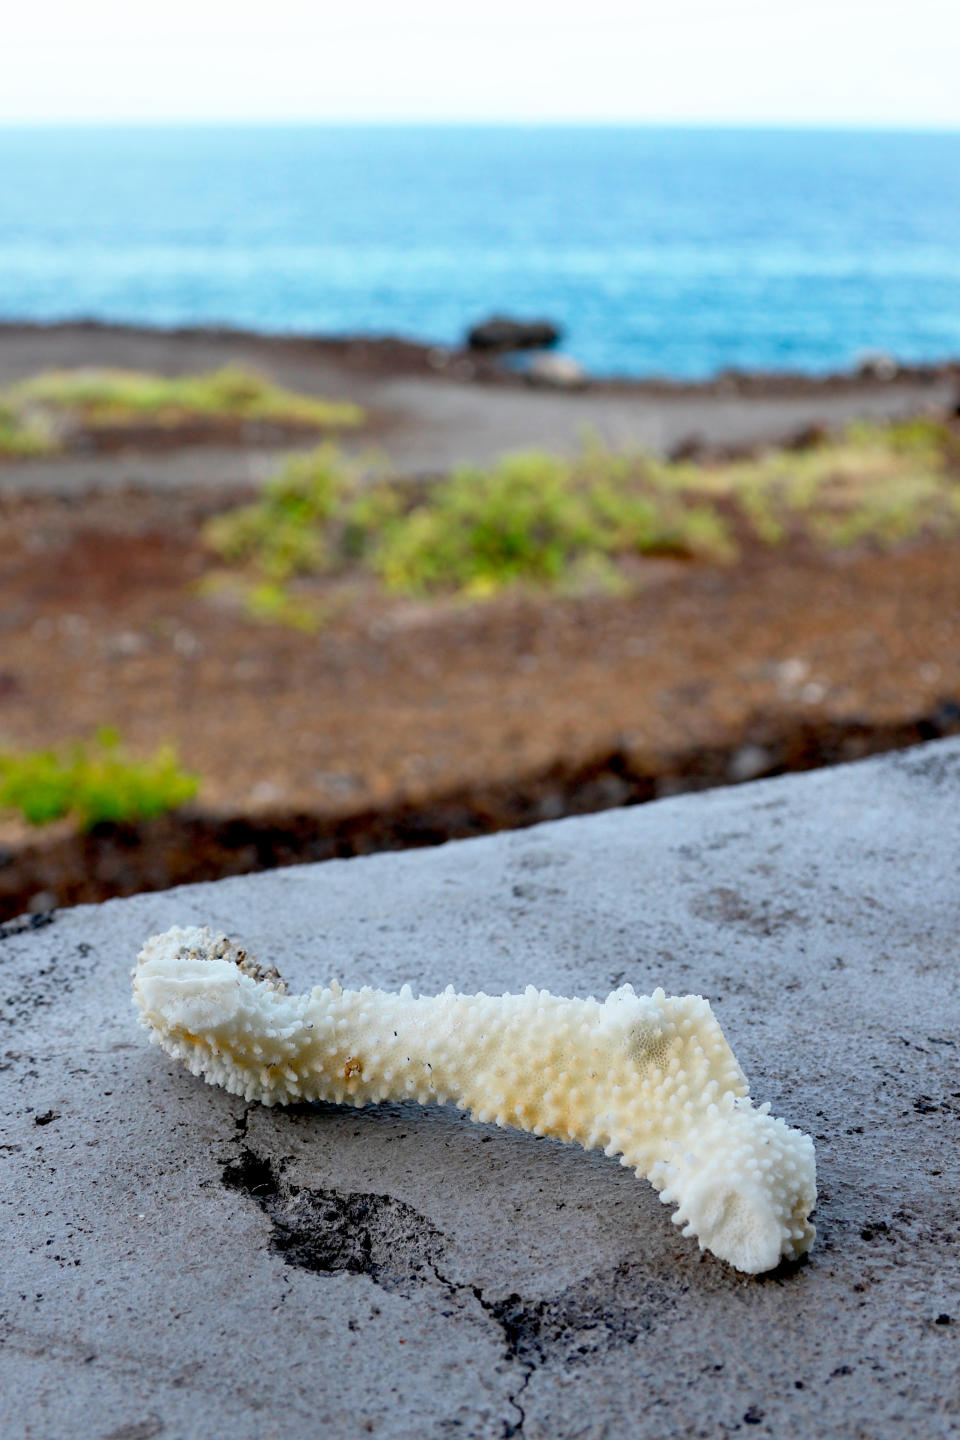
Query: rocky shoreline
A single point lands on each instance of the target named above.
(395, 355)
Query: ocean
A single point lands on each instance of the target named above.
(660, 251)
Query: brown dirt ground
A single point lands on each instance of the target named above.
(403, 723)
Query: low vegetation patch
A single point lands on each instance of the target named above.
(93, 783)
(542, 520)
(882, 484)
(39, 413)
(532, 519)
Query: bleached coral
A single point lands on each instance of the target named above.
(647, 1077)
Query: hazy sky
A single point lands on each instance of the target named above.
(889, 62)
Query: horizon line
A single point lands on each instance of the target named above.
(943, 127)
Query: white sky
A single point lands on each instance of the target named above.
(887, 62)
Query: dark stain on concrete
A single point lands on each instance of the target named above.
(26, 924)
(330, 1232)
(140, 1430)
(935, 768)
(39, 987)
(725, 906)
(603, 1312)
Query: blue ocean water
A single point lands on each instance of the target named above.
(661, 251)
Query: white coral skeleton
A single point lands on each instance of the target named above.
(647, 1077)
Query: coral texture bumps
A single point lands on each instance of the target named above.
(649, 1078)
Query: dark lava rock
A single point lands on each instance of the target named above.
(501, 332)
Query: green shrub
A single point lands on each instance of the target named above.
(481, 529)
(534, 518)
(283, 533)
(93, 783)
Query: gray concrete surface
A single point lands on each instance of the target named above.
(428, 424)
(179, 1264)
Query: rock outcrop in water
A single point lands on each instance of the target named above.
(502, 332)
